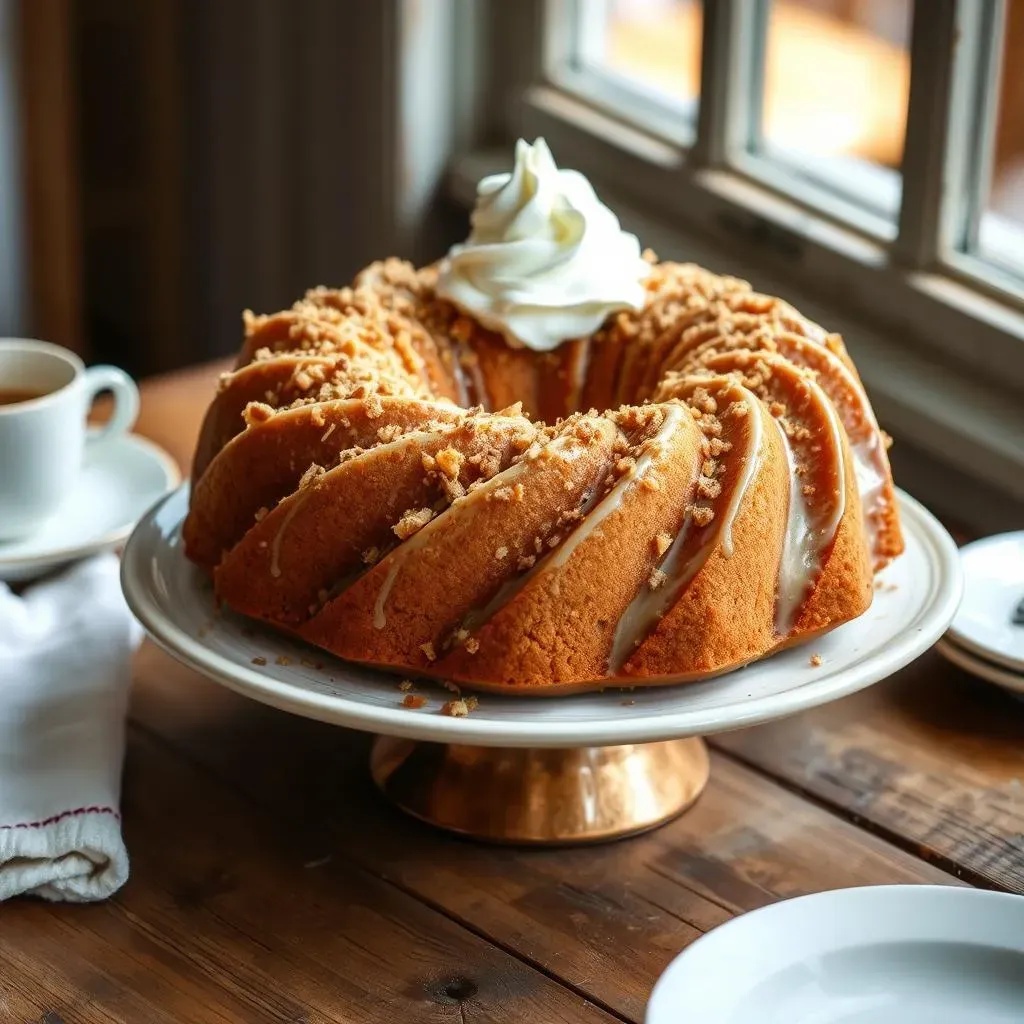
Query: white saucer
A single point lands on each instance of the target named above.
(993, 587)
(895, 954)
(987, 670)
(120, 479)
(915, 600)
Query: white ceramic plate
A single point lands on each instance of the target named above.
(916, 598)
(993, 587)
(895, 954)
(120, 479)
(981, 668)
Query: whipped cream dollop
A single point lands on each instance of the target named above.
(546, 260)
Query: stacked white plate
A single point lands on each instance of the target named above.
(986, 637)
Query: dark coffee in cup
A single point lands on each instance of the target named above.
(12, 396)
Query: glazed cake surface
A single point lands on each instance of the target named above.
(693, 485)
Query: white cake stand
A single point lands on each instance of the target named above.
(579, 768)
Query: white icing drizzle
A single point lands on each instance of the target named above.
(648, 606)
(837, 442)
(476, 618)
(613, 499)
(416, 541)
(275, 545)
(594, 510)
(568, 446)
(299, 497)
(872, 479)
(804, 542)
(798, 564)
(750, 467)
(869, 462)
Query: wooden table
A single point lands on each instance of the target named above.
(270, 882)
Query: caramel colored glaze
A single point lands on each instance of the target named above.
(881, 512)
(558, 628)
(265, 463)
(840, 586)
(314, 539)
(417, 595)
(732, 612)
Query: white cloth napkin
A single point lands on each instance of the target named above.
(65, 668)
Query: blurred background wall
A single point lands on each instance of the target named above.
(165, 164)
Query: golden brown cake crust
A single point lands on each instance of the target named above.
(388, 480)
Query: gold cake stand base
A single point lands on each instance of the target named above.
(538, 796)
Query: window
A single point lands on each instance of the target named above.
(863, 158)
(830, 99)
(993, 229)
(638, 55)
(871, 149)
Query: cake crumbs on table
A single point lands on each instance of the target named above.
(415, 701)
(815, 660)
(259, 660)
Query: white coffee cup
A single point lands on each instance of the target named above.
(43, 439)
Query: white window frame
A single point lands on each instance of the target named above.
(937, 334)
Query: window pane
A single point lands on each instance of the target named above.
(1000, 235)
(833, 103)
(651, 45)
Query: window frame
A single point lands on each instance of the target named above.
(913, 280)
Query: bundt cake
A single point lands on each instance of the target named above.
(411, 472)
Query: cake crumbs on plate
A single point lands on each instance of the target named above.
(460, 707)
(406, 685)
(259, 660)
(627, 703)
(815, 660)
(414, 701)
(282, 659)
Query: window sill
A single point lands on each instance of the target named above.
(964, 430)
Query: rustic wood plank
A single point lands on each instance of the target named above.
(606, 920)
(230, 917)
(932, 759)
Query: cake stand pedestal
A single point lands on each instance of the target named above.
(558, 770)
(542, 796)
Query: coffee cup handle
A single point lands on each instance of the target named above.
(126, 401)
